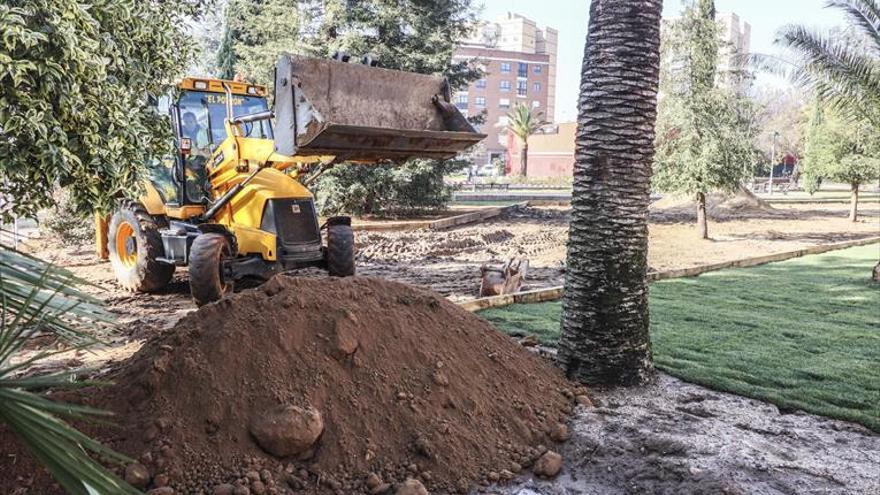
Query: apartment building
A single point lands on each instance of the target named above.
(519, 61)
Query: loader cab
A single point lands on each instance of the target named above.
(198, 110)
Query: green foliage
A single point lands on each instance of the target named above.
(840, 150)
(841, 67)
(800, 333)
(38, 297)
(705, 133)
(257, 32)
(414, 188)
(73, 84)
(64, 223)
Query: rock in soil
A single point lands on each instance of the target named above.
(287, 430)
(137, 475)
(365, 353)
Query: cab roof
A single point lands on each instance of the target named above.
(216, 86)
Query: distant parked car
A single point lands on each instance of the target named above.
(486, 170)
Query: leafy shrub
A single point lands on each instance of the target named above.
(64, 223)
(384, 190)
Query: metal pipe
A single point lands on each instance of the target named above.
(230, 194)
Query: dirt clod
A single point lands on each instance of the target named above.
(412, 487)
(559, 433)
(548, 465)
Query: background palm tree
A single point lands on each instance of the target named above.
(605, 336)
(522, 122)
(842, 68)
(38, 298)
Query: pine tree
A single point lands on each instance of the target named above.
(705, 133)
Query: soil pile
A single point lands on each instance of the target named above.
(719, 207)
(396, 382)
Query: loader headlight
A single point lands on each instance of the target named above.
(252, 90)
(200, 85)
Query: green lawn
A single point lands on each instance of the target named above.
(803, 333)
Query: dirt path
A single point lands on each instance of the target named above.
(676, 438)
(450, 261)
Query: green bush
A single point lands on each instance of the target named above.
(64, 223)
(386, 190)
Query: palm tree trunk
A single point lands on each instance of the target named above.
(854, 203)
(702, 224)
(605, 336)
(524, 159)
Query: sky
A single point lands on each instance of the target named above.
(570, 18)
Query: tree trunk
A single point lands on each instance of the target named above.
(605, 338)
(524, 159)
(702, 224)
(854, 204)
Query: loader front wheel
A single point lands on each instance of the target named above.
(340, 251)
(206, 280)
(135, 244)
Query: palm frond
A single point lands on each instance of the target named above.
(836, 70)
(864, 14)
(37, 296)
(31, 288)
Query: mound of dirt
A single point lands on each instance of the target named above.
(395, 382)
(719, 207)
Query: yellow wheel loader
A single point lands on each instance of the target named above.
(230, 204)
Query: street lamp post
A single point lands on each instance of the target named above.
(772, 159)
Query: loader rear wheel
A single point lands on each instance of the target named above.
(135, 244)
(206, 280)
(340, 251)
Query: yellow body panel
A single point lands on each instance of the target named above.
(233, 161)
(151, 200)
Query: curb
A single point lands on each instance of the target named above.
(443, 223)
(555, 293)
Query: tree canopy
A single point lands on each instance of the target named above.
(705, 131)
(840, 150)
(74, 80)
(408, 35)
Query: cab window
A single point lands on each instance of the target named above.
(202, 115)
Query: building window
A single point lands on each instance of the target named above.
(505, 86)
(503, 103)
(536, 87)
(522, 88)
(536, 69)
(523, 70)
(481, 83)
(462, 101)
(536, 104)
(480, 101)
(505, 67)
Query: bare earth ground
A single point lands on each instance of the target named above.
(669, 438)
(676, 438)
(449, 262)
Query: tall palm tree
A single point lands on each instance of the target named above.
(522, 122)
(605, 308)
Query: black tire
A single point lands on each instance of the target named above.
(340, 251)
(206, 281)
(134, 243)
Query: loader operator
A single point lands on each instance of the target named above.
(196, 175)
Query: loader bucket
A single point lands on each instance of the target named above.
(360, 113)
